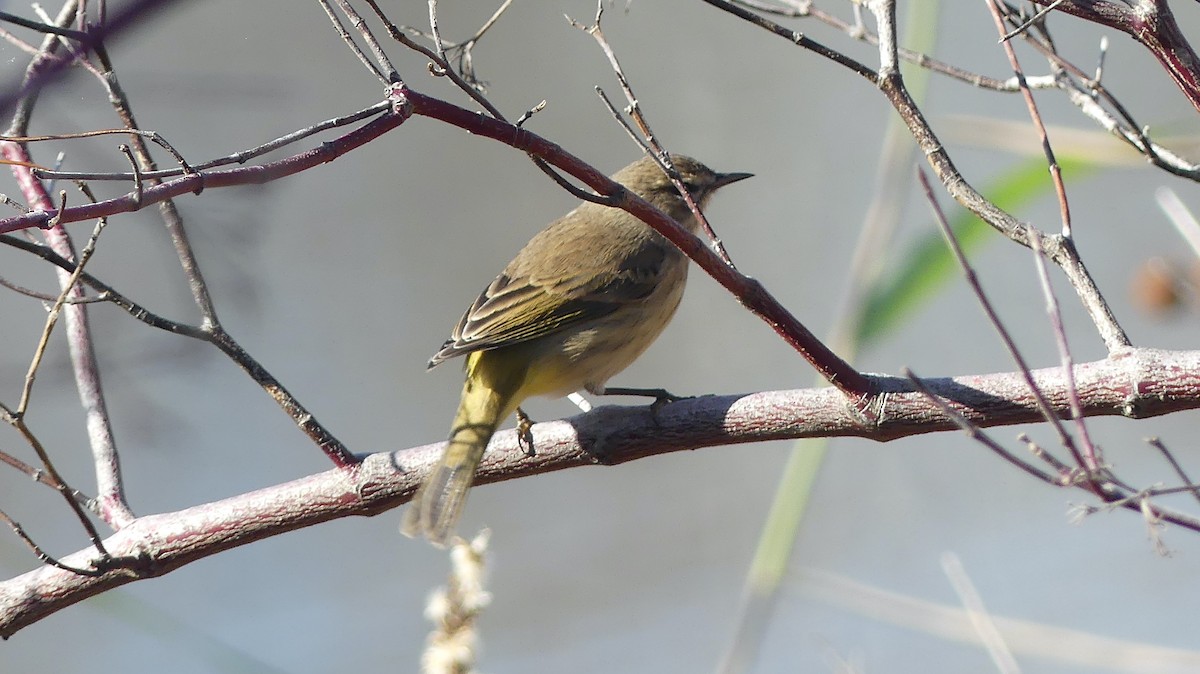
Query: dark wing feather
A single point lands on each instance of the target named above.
(524, 303)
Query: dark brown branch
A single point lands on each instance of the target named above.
(215, 335)
(43, 556)
(795, 37)
(172, 220)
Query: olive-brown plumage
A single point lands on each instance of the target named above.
(579, 303)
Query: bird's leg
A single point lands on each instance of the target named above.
(661, 395)
(525, 432)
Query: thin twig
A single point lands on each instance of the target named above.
(190, 183)
(239, 157)
(439, 63)
(349, 40)
(1067, 475)
(993, 318)
(634, 110)
(110, 503)
(17, 417)
(45, 297)
(1089, 450)
(1190, 486)
(795, 37)
(134, 12)
(466, 61)
(974, 431)
(436, 32)
(1036, 117)
(36, 474)
(42, 555)
(48, 28)
(305, 420)
(141, 159)
(1041, 13)
(152, 136)
(389, 73)
(18, 42)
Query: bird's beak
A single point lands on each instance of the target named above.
(724, 179)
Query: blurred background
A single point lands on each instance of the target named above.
(344, 279)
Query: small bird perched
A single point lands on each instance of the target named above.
(580, 302)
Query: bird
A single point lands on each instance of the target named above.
(577, 305)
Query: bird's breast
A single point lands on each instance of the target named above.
(588, 355)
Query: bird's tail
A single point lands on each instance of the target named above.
(488, 397)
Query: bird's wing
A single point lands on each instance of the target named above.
(523, 304)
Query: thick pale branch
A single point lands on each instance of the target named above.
(1133, 383)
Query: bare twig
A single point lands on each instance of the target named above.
(1089, 451)
(857, 31)
(1067, 476)
(1191, 487)
(634, 110)
(439, 66)
(130, 13)
(466, 61)
(141, 159)
(190, 183)
(239, 157)
(990, 312)
(1038, 16)
(111, 503)
(152, 136)
(890, 83)
(36, 474)
(1153, 25)
(795, 37)
(17, 417)
(349, 39)
(41, 554)
(1034, 115)
(305, 420)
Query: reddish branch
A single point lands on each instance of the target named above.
(407, 102)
